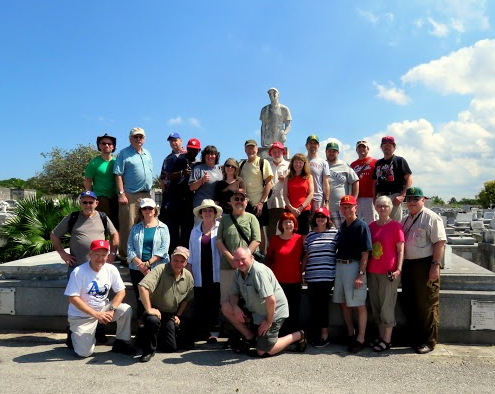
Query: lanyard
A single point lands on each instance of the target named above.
(409, 229)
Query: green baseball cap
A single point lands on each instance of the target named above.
(250, 142)
(414, 192)
(311, 138)
(332, 145)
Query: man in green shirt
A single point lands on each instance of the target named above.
(165, 293)
(99, 178)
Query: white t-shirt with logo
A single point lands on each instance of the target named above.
(93, 287)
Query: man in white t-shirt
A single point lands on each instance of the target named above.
(88, 289)
(320, 172)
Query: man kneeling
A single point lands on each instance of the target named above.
(264, 297)
(88, 289)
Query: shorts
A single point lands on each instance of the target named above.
(264, 218)
(226, 280)
(267, 342)
(344, 291)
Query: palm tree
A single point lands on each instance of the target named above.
(27, 232)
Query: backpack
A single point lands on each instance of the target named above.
(75, 215)
(262, 164)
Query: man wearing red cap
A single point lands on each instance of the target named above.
(350, 289)
(392, 177)
(179, 199)
(88, 289)
(276, 202)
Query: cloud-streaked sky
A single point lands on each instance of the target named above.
(422, 71)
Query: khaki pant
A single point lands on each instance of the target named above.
(83, 329)
(127, 218)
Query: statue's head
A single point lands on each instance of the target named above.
(273, 94)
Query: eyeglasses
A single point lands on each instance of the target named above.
(208, 210)
(106, 143)
(320, 217)
(241, 199)
(410, 199)
(147, 208)
(87, 202)
(138, 137)
(229, 166)
(382, 206)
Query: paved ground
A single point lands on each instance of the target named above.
(40, 363)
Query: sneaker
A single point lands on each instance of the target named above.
(120, 346)
(321, 342)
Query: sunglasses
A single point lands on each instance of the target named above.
(147, 208)
(320, 217)
(88, 202)
(229, 166)
(106, 143)
(409, 199)
(138, 137)
(241, 199)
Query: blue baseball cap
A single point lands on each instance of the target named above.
(173, 136)
(88, 193)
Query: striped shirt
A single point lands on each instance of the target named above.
(321, 249)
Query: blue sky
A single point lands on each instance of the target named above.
(422, 71)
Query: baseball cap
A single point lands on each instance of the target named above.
(322, 210)
(99, 244)
(250, 142)
(388, 140)
(278, 145)
(147, 202)
(333, 146)
(311, 138)
(414, 192)
(173, 136)
(193, 143)
(137, 131)
(182, 251)
(348, 200)
(273, 89)
(240, 191)
(362, 142)
(88, 193)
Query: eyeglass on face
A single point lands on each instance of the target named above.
(410, 199)
(382, 206)
(207, 210)
(320, 217)
(106, 143)
(87, 202)
(138, 137)
(229, 166)
(147, 208)
(241, 199)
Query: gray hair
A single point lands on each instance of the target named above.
(384, 200)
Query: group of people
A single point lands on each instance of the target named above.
(243, 238)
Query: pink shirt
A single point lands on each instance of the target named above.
(384, 252)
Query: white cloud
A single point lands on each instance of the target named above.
(373, 18)
(439, 29)
(194, 122)
(469, 70)
(175, 121)
(392, 94)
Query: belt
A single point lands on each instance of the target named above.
(384, 194)
(342, 261)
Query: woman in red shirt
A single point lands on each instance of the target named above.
(284, 258)
(298, 192)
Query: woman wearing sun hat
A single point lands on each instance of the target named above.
(204, 264)
(147, 245)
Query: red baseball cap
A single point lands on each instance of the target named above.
(348, 200)
(278, 145)
(99, 244)
(324, 211)
(388, 140)
(193, 143)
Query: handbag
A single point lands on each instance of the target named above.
(258, 256)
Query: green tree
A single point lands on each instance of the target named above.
(27, 232)
(63, 173)
(437, 200)
(487, 195)
(15, 183)
(453, 201)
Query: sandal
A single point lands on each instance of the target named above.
(302, 344)
(356, 347)
(382, 346)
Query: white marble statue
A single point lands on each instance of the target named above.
(275, 120)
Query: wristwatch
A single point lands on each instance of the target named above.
(121, 192)
(112, 308)
(435, 263)
(113, 253)
(361, 272)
